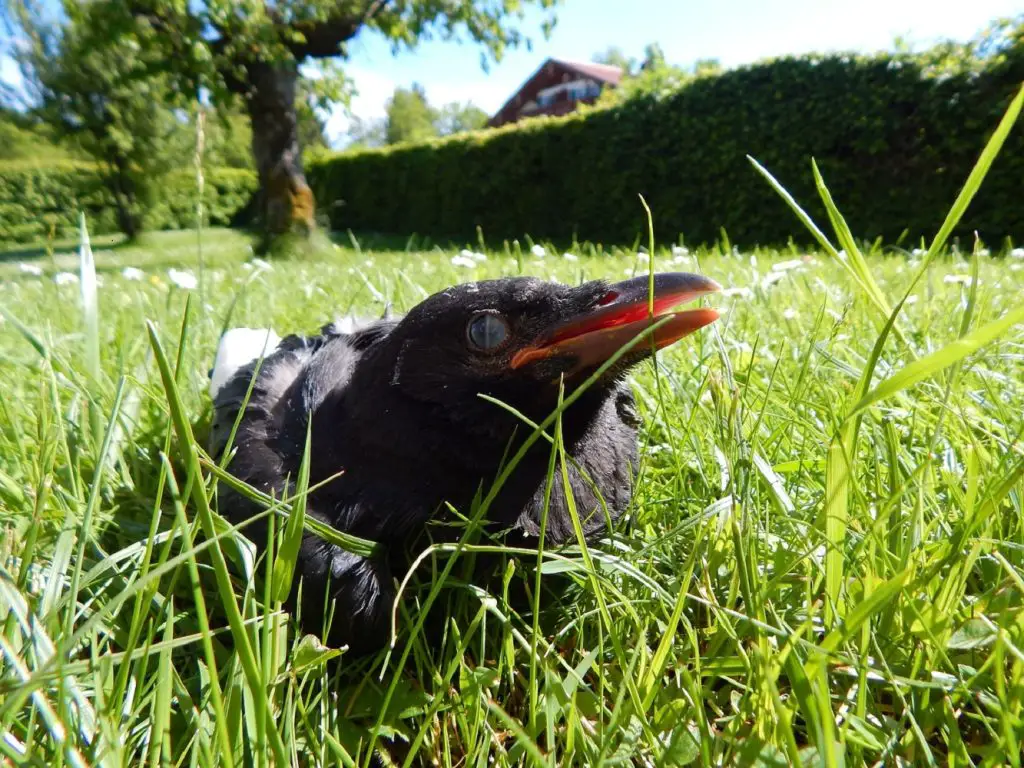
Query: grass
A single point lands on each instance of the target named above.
(825, 566)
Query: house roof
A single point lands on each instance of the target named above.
(603, 73)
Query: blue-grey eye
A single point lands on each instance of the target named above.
(487, 331)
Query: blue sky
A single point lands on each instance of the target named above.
(732, 31)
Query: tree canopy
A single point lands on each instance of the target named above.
(650, 76)
(410, 117)
(252, 50)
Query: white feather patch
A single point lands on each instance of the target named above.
(239, 347)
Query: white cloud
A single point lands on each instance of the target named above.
(9, 72)
(372, 91)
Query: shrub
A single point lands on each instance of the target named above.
(36, 200)
(893, 141)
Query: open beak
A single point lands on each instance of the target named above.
(624, 313)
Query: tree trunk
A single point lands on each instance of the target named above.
(124, 198)
(286, 201)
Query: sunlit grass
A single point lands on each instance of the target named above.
(824, 562)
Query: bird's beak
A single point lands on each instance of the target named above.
(624, 313)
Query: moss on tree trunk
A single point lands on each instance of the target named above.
(286, 201)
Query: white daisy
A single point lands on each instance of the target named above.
(538, 251)
(65, 278)
(30, 269)
(745, 293)
(463, 261)
(680, 250)
(182, 278)
(570, 256)
(1017, 253)
(132, 273)
(785, 266)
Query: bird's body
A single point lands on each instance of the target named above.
(398, 431)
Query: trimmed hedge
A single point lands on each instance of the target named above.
(893, 142)
(35, 199)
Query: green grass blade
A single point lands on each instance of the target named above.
(36, 343)
(85, 524)
(190, 455)
(952, 353)
(977, 175)
(287, 555)
(837, 515)
(346, 541)
(160, 748)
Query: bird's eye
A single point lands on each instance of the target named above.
(487, 331)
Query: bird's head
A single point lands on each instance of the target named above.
(516, 338)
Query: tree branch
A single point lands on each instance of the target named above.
(321, 39)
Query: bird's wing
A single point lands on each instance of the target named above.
(270, 375)
(291, 381)
(308, 365)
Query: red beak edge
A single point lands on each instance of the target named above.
(624, 313)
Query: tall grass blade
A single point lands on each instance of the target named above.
(287, 555)
(190, 455)
(955, 351)
(977, 175)
(837, 514)
(90, 319)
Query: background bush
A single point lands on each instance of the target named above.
(37, 200)
(894, 135)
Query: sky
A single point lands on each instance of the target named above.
(733, 31)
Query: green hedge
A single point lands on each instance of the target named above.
(893, 142)
(37, 199)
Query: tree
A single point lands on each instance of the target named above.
(367, 133)
(253, 50)
(652, 77)
(409, 116)
(455, 117)
(616, 57)
(23, 136)
(104, 100)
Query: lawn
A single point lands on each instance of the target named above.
(788, 582)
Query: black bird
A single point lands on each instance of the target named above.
(396, 409)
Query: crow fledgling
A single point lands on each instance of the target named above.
(395, 408)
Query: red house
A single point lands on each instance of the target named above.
(556, 88)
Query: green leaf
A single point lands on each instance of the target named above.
(310, 653)
(865, 734)
(975, 633)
